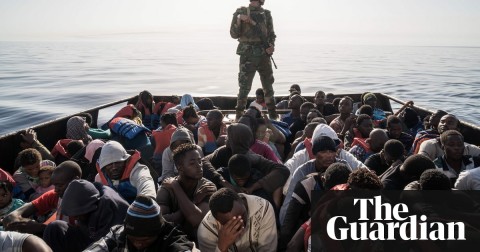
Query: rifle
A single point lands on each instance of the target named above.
(262, 36)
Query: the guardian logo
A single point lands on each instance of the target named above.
(390, 221)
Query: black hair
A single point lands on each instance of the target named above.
(336, 173)
(74, 146)
(314, 110)
(189, 111)
(259, 91)
(366, 109)
(434, 179)
(29, 156)
(416, 164)
(180, 152)
(336, 102)
(169, 118)
(365, 179)
(259, 113)
(392, 119)
(394, 148)
(296, 87)
(319, 92)
(6, 186)
(319, 120)
(69, 168)
(361, 118)
(444, 136)
(222, 201)
(217, 114)
(310, 105)
(239, 165)
(348, 98)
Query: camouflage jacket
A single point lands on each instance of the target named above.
(245, 33)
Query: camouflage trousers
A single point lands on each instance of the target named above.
(249, 65)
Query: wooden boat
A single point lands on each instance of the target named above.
(50, 132)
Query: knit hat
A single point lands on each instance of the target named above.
(325, 130)
(91, 148)
(369, 96)
(181, 134)
(144, 217)
(112, 152)
(323, 143)
(80, 197)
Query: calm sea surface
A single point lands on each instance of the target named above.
(40, 81)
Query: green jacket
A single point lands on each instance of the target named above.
(246, 35)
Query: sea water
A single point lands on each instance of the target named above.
(41, 81)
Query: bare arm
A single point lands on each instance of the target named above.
(35, 244)
(192, 213)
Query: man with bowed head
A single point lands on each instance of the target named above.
(251, 26)
(238, 222)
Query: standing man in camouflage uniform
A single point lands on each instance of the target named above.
(253, 54)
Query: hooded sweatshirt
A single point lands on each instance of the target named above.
(105, 207)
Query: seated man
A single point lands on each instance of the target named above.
(326, 108)
(429, 132)
(211, 134)
(392, 154)
(124, 172)
(144, 229)
(181, 136)
(324, 150)
(361, 131)
(394, 131)
(302, 156)
(453, 162)
(96, 208)
(184, 199)
(48, 202)
(371, 100)
(294, 104)
(238, 222)
(433, 148)
(240, 139)
(362, 149)
(397, 177)
(299, 208)
(345, 108)
(241, 175)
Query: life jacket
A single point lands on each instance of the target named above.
(419, 140)
(162, 138)
(126, 127)
(356, 133)
(162, 107)
(60, 148)
(363, 143)
(211, 144)
(124, 187)
(180, 117)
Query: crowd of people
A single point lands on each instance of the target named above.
(180, 176)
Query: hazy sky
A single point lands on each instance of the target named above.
(406, 22)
